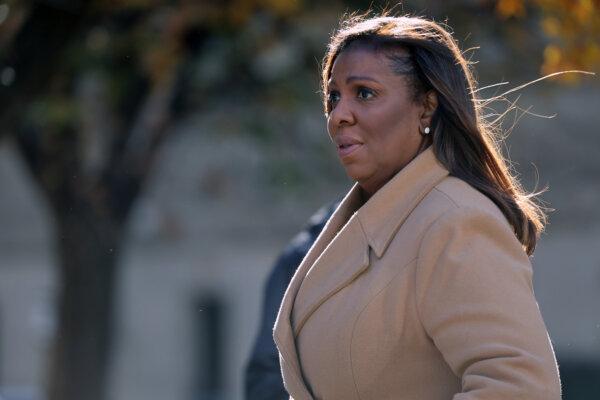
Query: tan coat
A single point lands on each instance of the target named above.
(423, 293)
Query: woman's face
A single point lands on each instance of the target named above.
(373, 118)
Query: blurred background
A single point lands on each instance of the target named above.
(156, 156)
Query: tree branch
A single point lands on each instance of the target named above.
(53, 24)
(125, 175)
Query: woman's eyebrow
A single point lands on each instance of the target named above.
(353, 78)
(360, 78)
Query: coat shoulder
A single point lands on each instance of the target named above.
(459, 194)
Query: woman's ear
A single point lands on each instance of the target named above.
(430, 103)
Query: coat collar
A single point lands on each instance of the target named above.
(341, 253)
(386, 210)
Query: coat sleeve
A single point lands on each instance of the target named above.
(475, 299)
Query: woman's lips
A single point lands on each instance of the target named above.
(346, 150)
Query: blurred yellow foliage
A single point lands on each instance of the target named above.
(283, 7)
(573, 27)
(240, 10)
(510, 8)
(551, 26)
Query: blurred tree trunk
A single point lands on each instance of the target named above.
(88, 236)
(86, 242)
(91, 195)
(88, 248)
(90, 208)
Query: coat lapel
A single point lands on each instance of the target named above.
(283, 332)
(346, 257)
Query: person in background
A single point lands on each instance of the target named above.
(263, 379)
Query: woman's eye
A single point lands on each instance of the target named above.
(333, 97)
(364, 93)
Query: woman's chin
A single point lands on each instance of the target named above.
(357, 174)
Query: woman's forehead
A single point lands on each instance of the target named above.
(362, 62)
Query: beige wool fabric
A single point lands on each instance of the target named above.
(422, 293)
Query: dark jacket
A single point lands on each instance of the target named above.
(263, 375)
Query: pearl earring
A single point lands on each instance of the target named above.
(427, 130)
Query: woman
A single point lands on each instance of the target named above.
(419, 287)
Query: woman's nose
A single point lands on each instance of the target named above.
(342, 114)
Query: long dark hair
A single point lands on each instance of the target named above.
(462, 140)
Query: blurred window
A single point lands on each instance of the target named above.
(208, 314)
